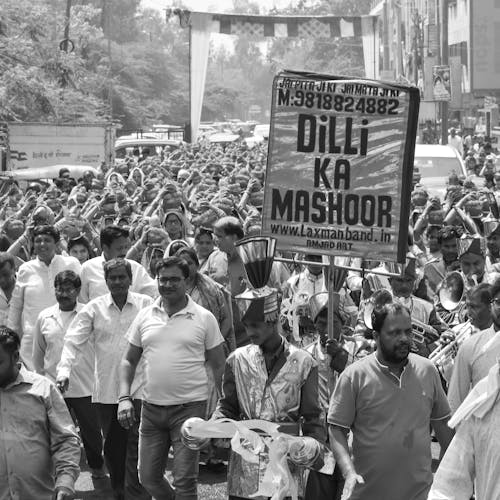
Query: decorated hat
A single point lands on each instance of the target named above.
(317, 303)
(471, 244)
(410, 270)
(491, 226)
(260, 302)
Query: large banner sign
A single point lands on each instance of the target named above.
(340, 165)
(36, 145)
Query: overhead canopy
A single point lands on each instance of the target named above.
(201, 24)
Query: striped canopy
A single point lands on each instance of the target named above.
(202, 24)
(282, 26)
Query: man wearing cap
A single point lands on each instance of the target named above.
(270, 380)
(436, 269)
(472, 258)
(421, 310)
(492, 233)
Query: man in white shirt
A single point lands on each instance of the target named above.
(115, 243)
(472, 462)
(34, 290)
(48, 341)
(479, 352)
(455, 141)
(7, 284)
(174, 336)
(103, 322)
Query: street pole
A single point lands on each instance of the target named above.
(66, 27)
(107, 23)
(416, 38)
(188, 131)
(331, 297)
(386, 62)
(444, 62)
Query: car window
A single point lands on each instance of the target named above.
(437, 167)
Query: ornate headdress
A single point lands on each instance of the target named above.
(471, 244)
(259, 303)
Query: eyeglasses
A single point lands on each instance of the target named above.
(172, 279)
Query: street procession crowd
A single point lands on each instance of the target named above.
(128, 310)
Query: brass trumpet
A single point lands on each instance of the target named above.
(420, 330)
(443, 356)
(452, 296)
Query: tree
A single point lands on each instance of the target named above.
(145, 80)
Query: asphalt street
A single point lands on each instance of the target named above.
(211, 486)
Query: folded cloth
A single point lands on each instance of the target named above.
(481, 398)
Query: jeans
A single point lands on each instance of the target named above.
(88, 421)
(160, 428)
(120, 452)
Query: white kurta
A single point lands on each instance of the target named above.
(34, 292)
(104, 325)
(48, 342)
(94, 285)
(472, 461)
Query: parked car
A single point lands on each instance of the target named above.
(261, 131)
(154, 146)
(435, 164)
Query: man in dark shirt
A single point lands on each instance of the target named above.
(388, 399)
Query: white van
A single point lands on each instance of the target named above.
(435, 164)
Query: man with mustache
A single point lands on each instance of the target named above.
(388, 399)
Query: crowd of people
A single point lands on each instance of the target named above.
(127, 309)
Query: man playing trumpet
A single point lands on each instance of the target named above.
(478, 311)
(472, 258)
(423, 313)
(480, 351)
(451, 292)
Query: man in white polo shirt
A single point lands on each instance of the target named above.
(175, 336)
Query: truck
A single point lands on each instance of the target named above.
(36, 145)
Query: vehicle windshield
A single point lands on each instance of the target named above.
(437, 167)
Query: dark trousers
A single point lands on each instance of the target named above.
(121, 452)
(323, 486)
(90, 431)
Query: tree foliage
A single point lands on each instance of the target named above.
(145, 78)
(247, 73)
(129, 64)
